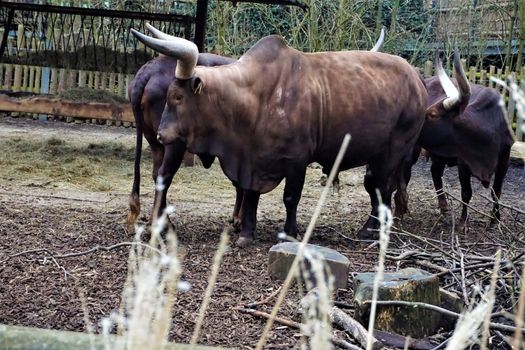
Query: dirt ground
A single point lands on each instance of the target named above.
(64, 187)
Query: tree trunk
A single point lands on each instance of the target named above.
(379, 18)
(395, 12)
(521, 45)
(508, 51)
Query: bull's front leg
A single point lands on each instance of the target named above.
(376, 181)
(291, 197)
(173, 155)
(237, 213)
(250, 201)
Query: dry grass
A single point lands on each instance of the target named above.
(58, 160)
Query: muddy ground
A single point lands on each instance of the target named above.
(64, 187)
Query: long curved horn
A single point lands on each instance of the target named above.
(380, 41)
(461, 78)
(183, 50)
(159, 34)
(455, 97)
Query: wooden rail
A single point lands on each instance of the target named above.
(62, 107)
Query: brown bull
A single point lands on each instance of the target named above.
(275, 110)
(147, 94)
(466, 127)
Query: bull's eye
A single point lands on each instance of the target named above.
(178, 98)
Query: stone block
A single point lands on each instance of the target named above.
(282, 255)
(410, 284)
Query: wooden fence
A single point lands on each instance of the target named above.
(46, 80)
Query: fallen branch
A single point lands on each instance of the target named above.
(266, 300)
(352, 327)
(492, 325)
(296, 325)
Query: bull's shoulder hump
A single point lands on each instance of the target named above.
(267, 49)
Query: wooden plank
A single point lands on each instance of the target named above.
(517, 152)
(18, 337)
(62, 107)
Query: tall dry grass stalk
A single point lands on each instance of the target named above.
(386, 220)
(477, 320)
(491, 298)
(217, 259)
(300, 251)
(153, 279)
(144, 317)
(316, 306)
(520, 313)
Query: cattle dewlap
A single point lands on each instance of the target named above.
(282, 255)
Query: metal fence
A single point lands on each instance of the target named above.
(80, 38)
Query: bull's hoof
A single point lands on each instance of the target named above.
(493, 222)
(367, 233)
(443, 208)
(462, 227)
(243, 242)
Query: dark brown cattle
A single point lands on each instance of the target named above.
(147, 94)
(275, 110)
(465, 126)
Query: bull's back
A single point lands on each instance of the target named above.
(371, 96)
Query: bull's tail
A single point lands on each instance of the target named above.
(136, 90)
(499, 176)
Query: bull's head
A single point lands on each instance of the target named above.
(456, 99)
(181, 92)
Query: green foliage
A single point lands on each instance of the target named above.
(327, 25)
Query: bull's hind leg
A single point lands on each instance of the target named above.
(466, 194)
(403, 178)
(249, 205)
(375, 180)
(437, 168)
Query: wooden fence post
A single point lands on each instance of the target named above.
(520, 123)
(483, 77)
(8, 77)
(31, 85)
(17, 81)
(53, 87)
(121, 84)
(511, 107)
(1, 75)
(492, 69)
(38, 74)
(111, 87)
(81, 79)
(25, 79)
(61, 80)
(472, 75)
(96, 84)
(427, 70)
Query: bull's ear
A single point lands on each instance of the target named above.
(196, 85)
